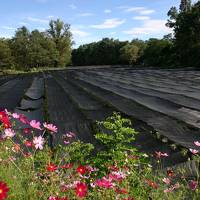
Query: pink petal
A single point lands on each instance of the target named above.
(197, 143)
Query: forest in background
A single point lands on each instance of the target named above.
(27, 50)
(53, 48)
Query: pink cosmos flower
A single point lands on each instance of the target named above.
(160, 154)
(92, 185)
(193, 184)
(197, 143)
(117, 176)
(176, 186)
(38, 142)
(168, 190)
(173, 187)
(66, 141)
(50, 127)
(71, 185)
(70, 134)
(9, 133)
(90, 168)
(166, 181)
(194, 151)
(52, 198)
(15, 116)
(35, 124)
(105, 183)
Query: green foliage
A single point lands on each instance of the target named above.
(186, 26)
(27, 50)
(158, 53)
(62, 37)
(6, 59)
(117, 171)
(116, 135)
(104, 52)
(129, 54)
(185, 5)
(79, 151)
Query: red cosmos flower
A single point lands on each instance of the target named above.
(3, 190)
(28, 143)
(170, 172)
(67, 166)
(6, 122)
(81, 170)
(23, 119)
(26, 130)
(51, 167)
(151, 183)
(121, 191)
(113, 168)
(17, 148)
(2, 114)
(27, 155)
(81, 190)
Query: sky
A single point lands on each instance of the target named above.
(91, 20)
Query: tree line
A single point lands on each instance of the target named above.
(179, 49)
(26, 50)
(53, 47)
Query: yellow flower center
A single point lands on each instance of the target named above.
(1, 191)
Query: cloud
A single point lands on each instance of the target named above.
(146, 12)
(42, 21)
(109, 23)
(79, 33)
(73, 7)
(141, 18)
(140, 10)
(8, 28)
(113, 33)
(50, 17)
(150, 27)
(23, 23)
(134, 9)
(107, 11)
(42, 29)
(85, 14)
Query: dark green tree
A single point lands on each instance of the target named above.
(185, 5)
(186, 26)
(43, 51)
(60, 33)
(158, 53)
(103, 52)
(20, 46)
(6, 59)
